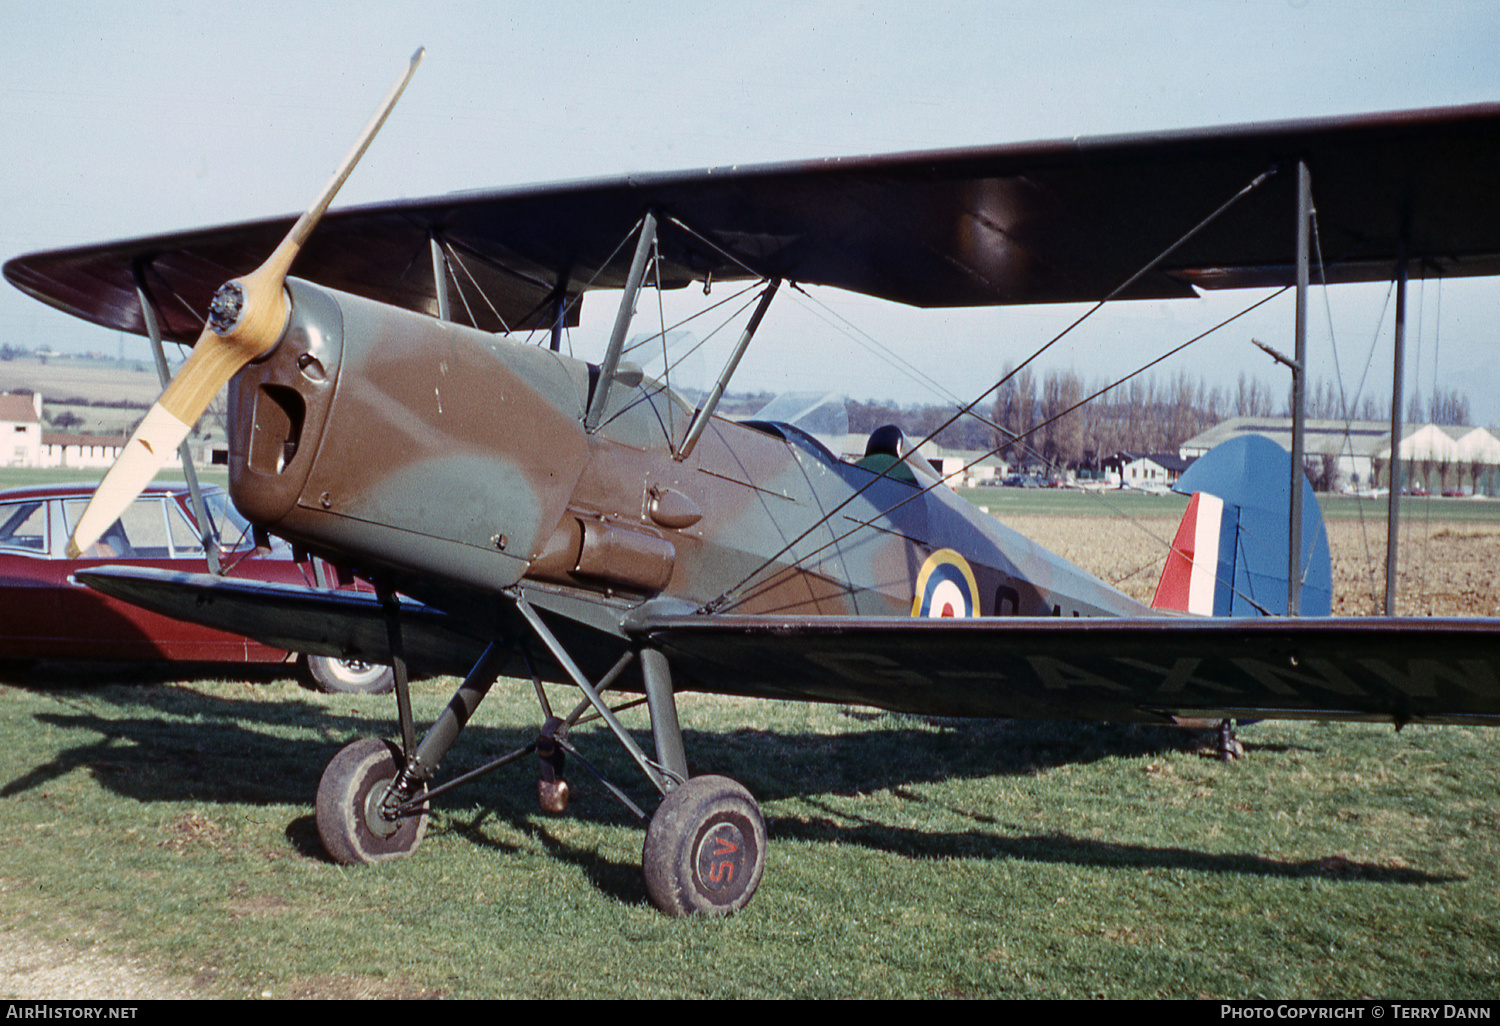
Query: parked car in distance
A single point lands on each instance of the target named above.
(45, 615)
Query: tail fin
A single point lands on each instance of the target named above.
(1200, 566)
(1229, 557)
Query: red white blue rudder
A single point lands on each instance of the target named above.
(1199, 565)
(1229, 557)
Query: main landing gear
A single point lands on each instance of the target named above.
(353, 819)
(705, 847)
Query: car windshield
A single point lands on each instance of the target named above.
(230, 528)
(23, 525)
(157, 527)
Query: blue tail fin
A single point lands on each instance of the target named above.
(1230, 554)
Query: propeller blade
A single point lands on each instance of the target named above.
(245, 321)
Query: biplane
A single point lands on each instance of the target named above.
(529, 514)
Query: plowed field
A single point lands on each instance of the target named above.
(1447, 568)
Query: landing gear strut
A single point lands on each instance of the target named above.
(705, 847)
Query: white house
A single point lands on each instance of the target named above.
(1152, 471)
(963, 469)
(1436, 457)
(22, 443)
(20, 430)
(59, 450)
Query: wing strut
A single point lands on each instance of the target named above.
(211, 554)
(1393, 497)
(440, 276)
(704, 412)
(611, 362)
(1299, 394)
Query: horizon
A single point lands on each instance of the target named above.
(130, 126)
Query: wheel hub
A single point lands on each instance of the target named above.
(376, 820)
(719, 861)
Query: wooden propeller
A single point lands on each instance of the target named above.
(245, 321)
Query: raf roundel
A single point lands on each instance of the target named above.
(945, 587)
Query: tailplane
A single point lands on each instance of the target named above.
(1229, 557)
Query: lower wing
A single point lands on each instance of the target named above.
(1155, 669)
(313, 621)
(1139, 669)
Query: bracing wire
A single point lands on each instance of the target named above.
(862, 524)
(1345, 405)
(1255, 183)
(458, 287)
(453, 254)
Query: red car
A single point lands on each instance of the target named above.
(44, 615)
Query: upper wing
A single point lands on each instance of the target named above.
(1366, 668)
(1031, 223)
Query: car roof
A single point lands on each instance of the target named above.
(75, 489)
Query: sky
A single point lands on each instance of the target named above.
(120, 120)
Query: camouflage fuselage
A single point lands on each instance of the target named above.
(451, 463)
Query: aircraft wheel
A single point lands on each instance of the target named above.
(349, 795)
(705, 848)
(349, 676)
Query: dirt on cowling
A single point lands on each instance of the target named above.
(1446, 568)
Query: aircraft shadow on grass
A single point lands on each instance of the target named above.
(218, 752)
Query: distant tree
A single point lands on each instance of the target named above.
(1062, 442)
(1450, 407)
(1014, 412)
(1324, 472)
(1414, 411)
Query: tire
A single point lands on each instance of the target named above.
(349, 820)
(349, 676)
(705, 849)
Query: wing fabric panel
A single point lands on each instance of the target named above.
(1126, 669)
(342, 624)
(1041, 222)
(1375, 669)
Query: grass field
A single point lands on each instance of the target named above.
(25, 477)
(909, 858)
(166, 816)
(95, 380)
